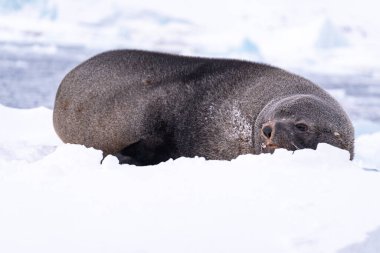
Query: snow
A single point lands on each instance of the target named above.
(368, 148)
(57, 197)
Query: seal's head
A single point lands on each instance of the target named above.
(302, 121)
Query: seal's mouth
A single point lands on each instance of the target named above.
(287, 134)
(268, 147)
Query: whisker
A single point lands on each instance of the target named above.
(295, 145)
(262, 146)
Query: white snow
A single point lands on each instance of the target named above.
(61, 199)
(368, 149)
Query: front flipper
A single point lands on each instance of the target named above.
(147, 152)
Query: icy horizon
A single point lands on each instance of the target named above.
(317, 37)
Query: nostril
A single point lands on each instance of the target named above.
(267, 131)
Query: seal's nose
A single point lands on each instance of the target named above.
(267, 131)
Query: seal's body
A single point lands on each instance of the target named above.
(148, 107)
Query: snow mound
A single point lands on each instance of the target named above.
(26, 135)
(33, 126)
(64, 200)
(368, 149)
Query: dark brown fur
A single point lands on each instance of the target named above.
(148, 107)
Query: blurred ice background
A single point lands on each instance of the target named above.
(334, 43)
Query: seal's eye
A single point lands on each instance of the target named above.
(302, 127)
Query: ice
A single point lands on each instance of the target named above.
(292, 34)
(330, 37)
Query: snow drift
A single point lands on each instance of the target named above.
(58, 198)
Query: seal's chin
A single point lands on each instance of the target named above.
(270, 147)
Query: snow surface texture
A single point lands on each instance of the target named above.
(57, 197)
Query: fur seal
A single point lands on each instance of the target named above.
(147, 107)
